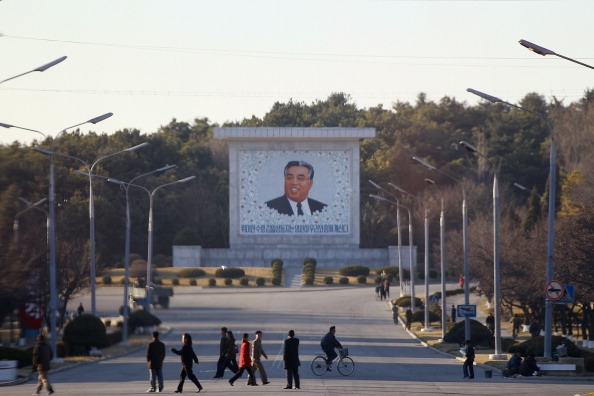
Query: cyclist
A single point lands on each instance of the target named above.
(328, 343)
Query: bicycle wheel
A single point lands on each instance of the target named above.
(318, 365)
(346, 366)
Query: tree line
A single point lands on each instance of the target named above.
(512, 142)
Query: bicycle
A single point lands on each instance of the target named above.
(344, 363)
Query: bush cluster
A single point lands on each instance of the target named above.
(392, 272)
(175, 282)
(107, 280)
(419, 316)
(83, 332)
(212, 282)
(231, 272)
(354, 270)
(142, 318)
(193, 282)
(191, 273)
(244, 281)
(260, 281)
(480, 334)
(404, 302)
(23, 357)
(277, 272)
(328, 280)
(309, 271)
(343, 280)
(228, 281)
(362, 279)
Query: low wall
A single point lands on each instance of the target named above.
(258, 256)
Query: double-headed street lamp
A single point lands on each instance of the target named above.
(544, 51)
(496, 260)
(442, 259)
(126, 186)
(410, 241)
(464, 239)
(548, 337)
(413, 272)
(37, 69)
(90, 167)
(52, 219)
(399, 237)
(149, 257)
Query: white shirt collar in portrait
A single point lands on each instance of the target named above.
(304, 207)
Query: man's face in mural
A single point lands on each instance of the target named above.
(297, 183)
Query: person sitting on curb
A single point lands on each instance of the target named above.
(529, 366)
(513, 365)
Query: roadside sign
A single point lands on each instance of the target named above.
(466, 311)
(433, 300)
(567, 297)
(554, 290)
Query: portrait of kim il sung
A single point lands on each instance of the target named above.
(298, 180)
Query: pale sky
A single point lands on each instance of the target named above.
(150, 61)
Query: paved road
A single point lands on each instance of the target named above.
(388, 360)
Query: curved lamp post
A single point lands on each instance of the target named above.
(548, 340)
(15, 224)
(126, 186)
(413, 272)
(41, 68)
(442, 259)
(410, 237)
(544, 51)
(464, 239)
(496, 259)
(149, 257)
(89, 173)
(400, 270)
(52, 220)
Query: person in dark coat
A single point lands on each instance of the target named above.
(512, 369)
(231, 354)
(245, 362)
(188, 356)
(468, 367)
(528, 367)
(291, 361)
(42, 357)
(155, 354)
(328, 343)
(222, 354)
(298, 182)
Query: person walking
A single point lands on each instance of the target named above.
(155, 354)
(409, 317)
(453, 314)
(490, 321)
(468, 366)
(291, 361)
(80, 309)
(231, 353)
(516, 323)
(257, 353)
(245, 362)
(222, 354)
(42, 357)
(188, 356)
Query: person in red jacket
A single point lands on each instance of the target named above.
(245, 362)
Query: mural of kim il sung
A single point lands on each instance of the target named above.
(298, 181)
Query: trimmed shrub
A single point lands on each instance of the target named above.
(193, 282)
(244, 281)
(24, 357)
(404, 302)
(228, 281)
(308, 281)
(260, 281)
(277, 272)
(276, 281)
(191, 273)
(480, 334)
(83, 332)
(392, 272)
(362, 279)
(419, 316)
(354, 270)
(378, 280)
(343, 280)
(107, 280)
(536, 345)
(142, 318)
(175, 282)
(276, 261)
(158, 281)
(231, 272)
(212, 282)
(328, 280)
(122, 281)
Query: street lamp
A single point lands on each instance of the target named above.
(496, 259)
(126, 186)
(90, 167)
(443, 264)
(400, 270)
(413, 272)
(543, 51)
(548, 339)
(464, 239)
(529, 191)
(52, 220)
(39, 69)
(15, 225)
(410, 239)
(149, 258)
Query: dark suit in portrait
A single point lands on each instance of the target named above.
(282, 205)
